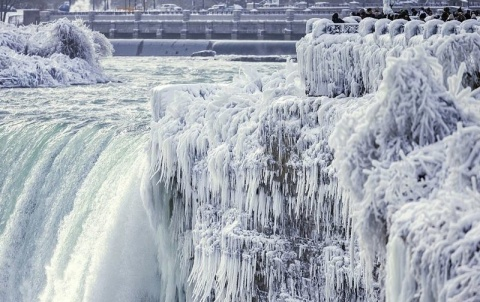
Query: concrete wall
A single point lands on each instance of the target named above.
(146, 47)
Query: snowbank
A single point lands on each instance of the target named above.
(271, 195)
(349, 59)
(53, 54)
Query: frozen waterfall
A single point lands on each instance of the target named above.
(267, 194)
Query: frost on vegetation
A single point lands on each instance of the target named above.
(256, 214)
(53, 54)
(352, 63)
(413, 164)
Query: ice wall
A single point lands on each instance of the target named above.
(253, 210)
(349, 59)
(52, 54)
(267, 194)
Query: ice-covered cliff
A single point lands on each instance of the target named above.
(259, 192)
(253, 210)
(52, 54)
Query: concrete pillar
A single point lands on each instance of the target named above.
(287, 32)
(290, 13)
(184, 30)
(159, 33)
(237, 15)
(234, 30)
(136, 30)
(137, 15)
(31, 16)
(91, 17)
(185, 18)
(45, 16)
(208, 30)
(261, 30)
(112, 31)
(186, 15)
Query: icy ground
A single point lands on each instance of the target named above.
(259, 192)
(52, 54)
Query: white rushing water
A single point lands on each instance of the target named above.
(73, 226)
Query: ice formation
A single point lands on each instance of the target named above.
(264, 193)
(352, 62)
(253, 211)
(52, 54)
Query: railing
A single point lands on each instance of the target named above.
(398, 27)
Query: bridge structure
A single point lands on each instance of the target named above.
(288, 25)
(267, 24)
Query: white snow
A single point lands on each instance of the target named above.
(278, 196)
(52, 54)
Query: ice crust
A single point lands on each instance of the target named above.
(51, 54)
(274, 195)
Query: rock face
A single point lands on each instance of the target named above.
(261, 193)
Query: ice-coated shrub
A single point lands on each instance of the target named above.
(411, 162)
(13, 38)
(367, 26)
(52, 54)
(323, 62)
(411, 110)
(431, 27)
(458, 49)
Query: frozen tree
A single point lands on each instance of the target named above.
(5, 7)
(52, 54)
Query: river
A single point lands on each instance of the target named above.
(72, 162)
